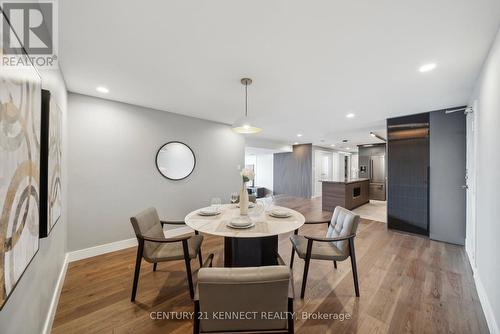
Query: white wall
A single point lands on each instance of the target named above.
(264, 171)
(354, 165)
(263, 167)
(112, 170)
(487, 272)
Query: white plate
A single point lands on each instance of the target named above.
(240, 227)
(208, 212)
(280, 213)
(240, 221)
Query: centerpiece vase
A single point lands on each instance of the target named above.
(244, 200)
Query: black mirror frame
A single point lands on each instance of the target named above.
(173, 142)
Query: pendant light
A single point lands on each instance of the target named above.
(246, 124)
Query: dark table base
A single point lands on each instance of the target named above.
(250, 252)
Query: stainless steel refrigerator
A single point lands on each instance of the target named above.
(373, 168)
(377, 177)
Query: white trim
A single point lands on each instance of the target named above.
(470, 257)
(47, 327)
(119, 245)
(483, 296)
(485, 303)
(101, 249)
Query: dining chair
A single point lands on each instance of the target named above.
(154, 247)
(252, 292)
(338, 245)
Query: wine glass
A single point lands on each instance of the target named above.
(234, 197)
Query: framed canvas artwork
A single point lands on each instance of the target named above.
(50, 167)
(20, 91)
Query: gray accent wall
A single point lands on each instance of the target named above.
(113, 173)
(293, 172)
(447, 176)
(27, 309)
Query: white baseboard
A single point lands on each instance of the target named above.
(485, 303)
(483, 297)
(470, 257)
(47, 328)
(119, 245)
(101, 249)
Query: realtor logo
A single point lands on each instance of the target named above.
(32, 26)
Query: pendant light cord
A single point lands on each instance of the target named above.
(246, 99)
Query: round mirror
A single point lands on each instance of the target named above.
(175, 160)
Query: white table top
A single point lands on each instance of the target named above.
(265, 225)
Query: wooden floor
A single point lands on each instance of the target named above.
(408, 284)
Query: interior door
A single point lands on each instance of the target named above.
(470, 239)
(323, 170)
(447, 177)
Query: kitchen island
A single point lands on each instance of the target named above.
(347, 193)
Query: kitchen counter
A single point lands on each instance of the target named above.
(347, 181)
(347, 193)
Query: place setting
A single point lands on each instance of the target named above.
(241, 222)
(279, 213)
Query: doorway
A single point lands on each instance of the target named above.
(323, 170)
(470, 177)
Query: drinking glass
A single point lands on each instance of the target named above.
(234, 197)
(216, 202)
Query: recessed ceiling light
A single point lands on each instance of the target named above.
(295, 143)
(102, 89)
(299, 135)
(332, 145)
(427, 67)
(350, 115)
(347, 148)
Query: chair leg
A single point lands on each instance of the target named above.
(138, 261)
(200, 258)
(154, 266)
(292, 257)
(335, 264)
(187, 259)
(290, 316)
(354, 268)
(196, 317)
(306, 268)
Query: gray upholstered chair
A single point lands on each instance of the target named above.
(154, 247)
(245, 292)
(337, 246)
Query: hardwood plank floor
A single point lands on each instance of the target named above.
(408, 284)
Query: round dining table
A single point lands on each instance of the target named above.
(247, 247)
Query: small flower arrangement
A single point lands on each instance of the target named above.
(247, 174)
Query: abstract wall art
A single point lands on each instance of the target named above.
(20, 91)
(50, 167)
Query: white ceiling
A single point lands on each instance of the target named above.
(312, 62)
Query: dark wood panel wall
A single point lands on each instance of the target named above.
(408, 173)
(293, 172)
